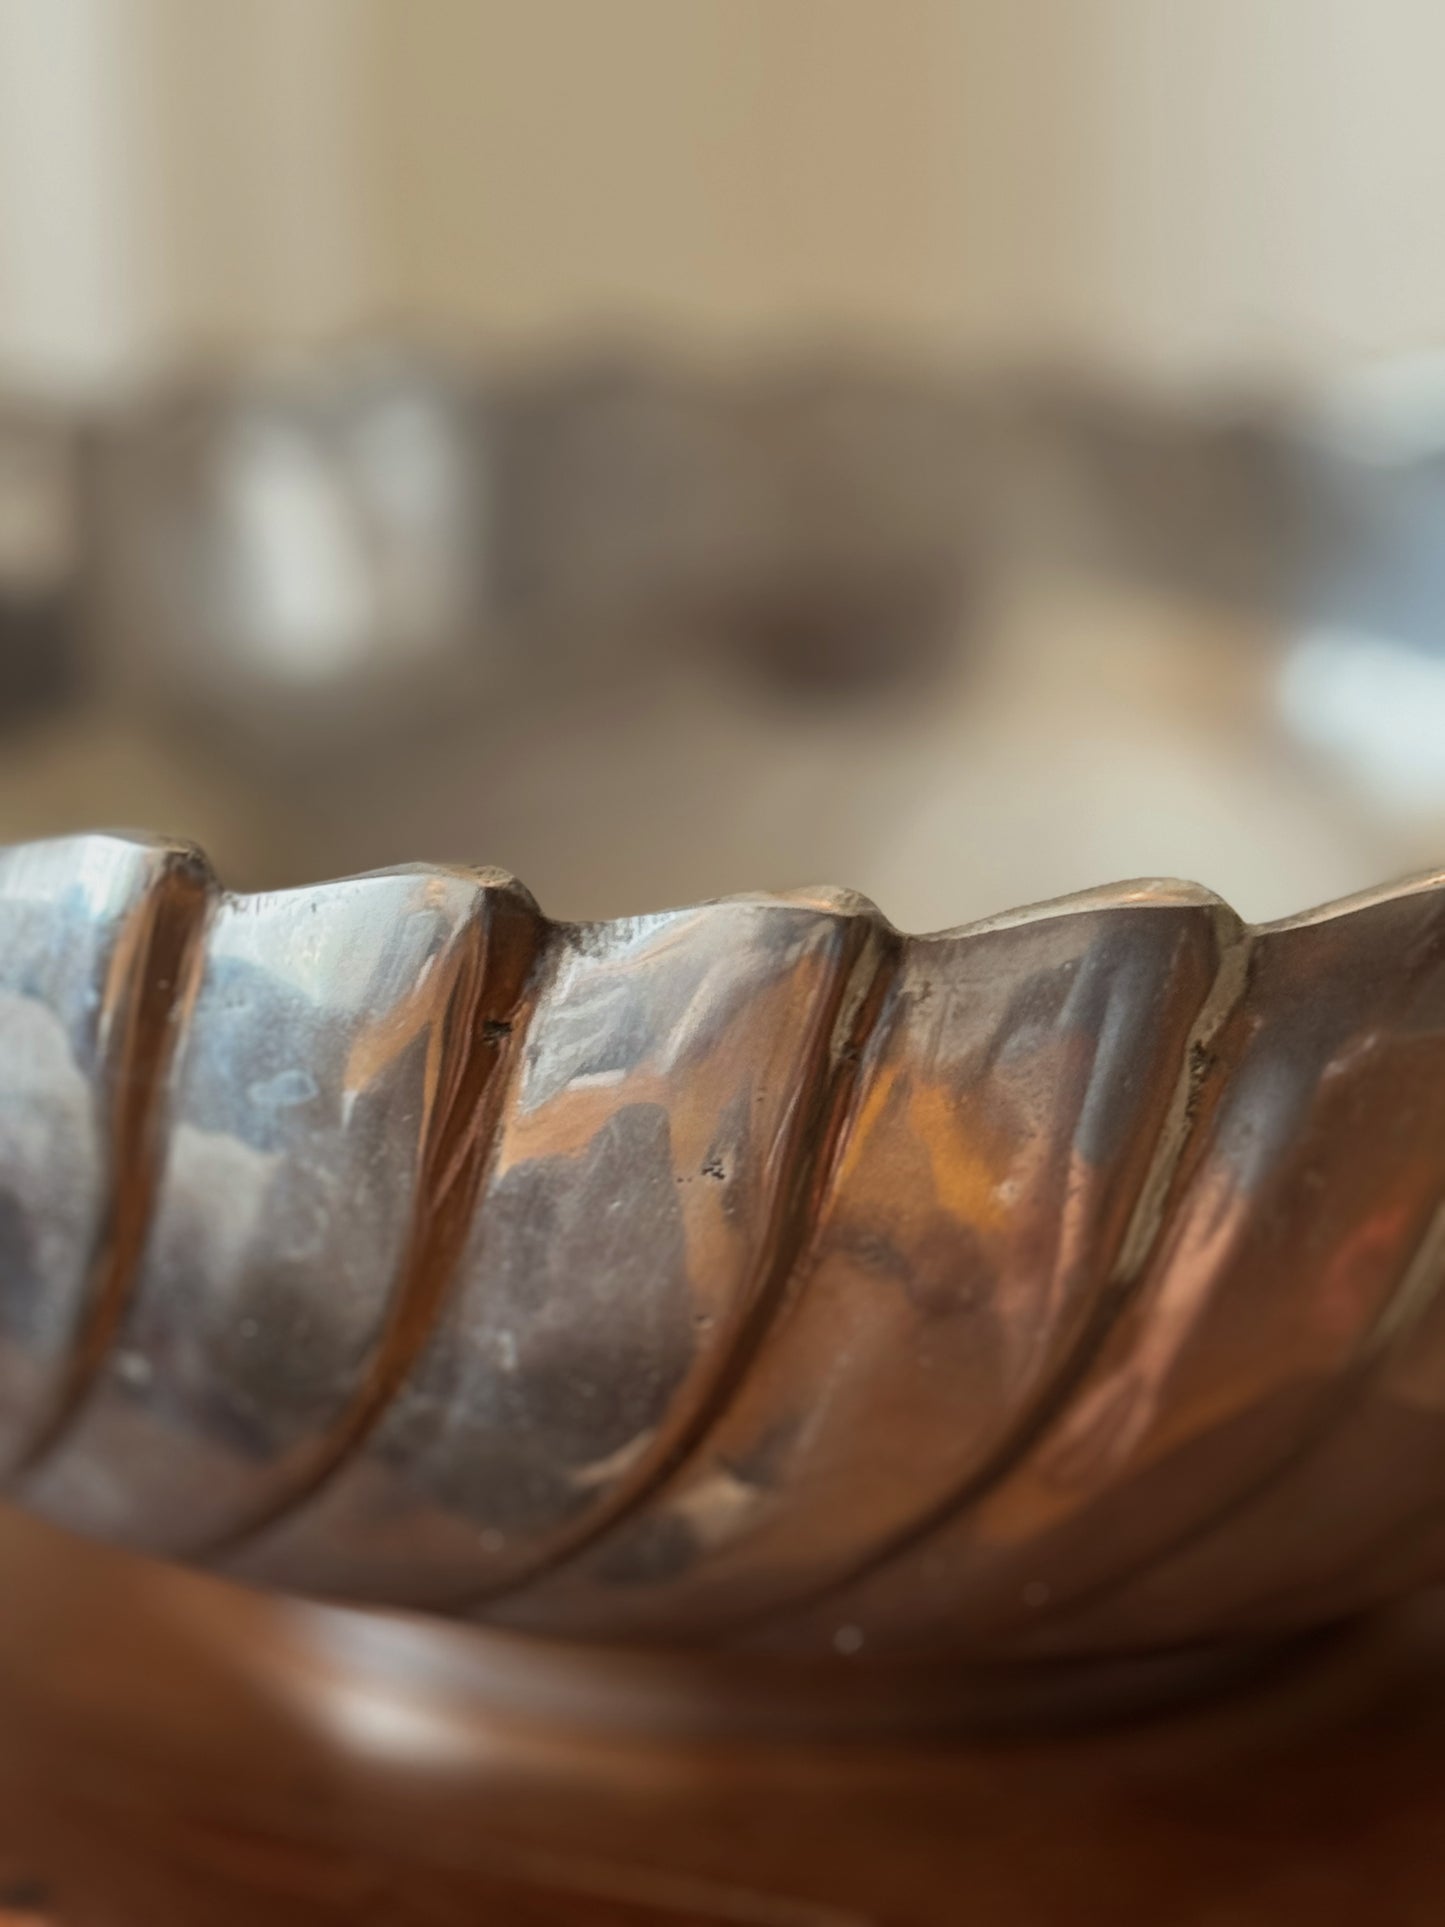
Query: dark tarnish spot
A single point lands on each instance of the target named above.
(1201, 1063)
(25, 1896)
(730, 1163)
(659, 1548)
(585, 1330)
(951, 1275)
(275, 1369)
(17, 1255)
(943, 1273)
(871, 1249)
(765, 1463)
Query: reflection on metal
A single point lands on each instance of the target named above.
(748, 1275)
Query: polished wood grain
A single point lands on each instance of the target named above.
(181, 1755)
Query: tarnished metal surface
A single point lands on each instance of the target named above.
(749, 1275)
(312, 1127)
(94, 933)
(635, 1216)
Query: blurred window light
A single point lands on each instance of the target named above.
(297, 575)
(1377, 706)
(1389, 414)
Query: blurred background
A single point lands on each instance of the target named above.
(964, 449)
(968, 450)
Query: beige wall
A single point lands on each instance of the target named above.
(1174, 185)
(734, 164)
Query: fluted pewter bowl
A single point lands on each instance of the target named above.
(748, 1276)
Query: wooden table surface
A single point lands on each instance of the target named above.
(173, 1752)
